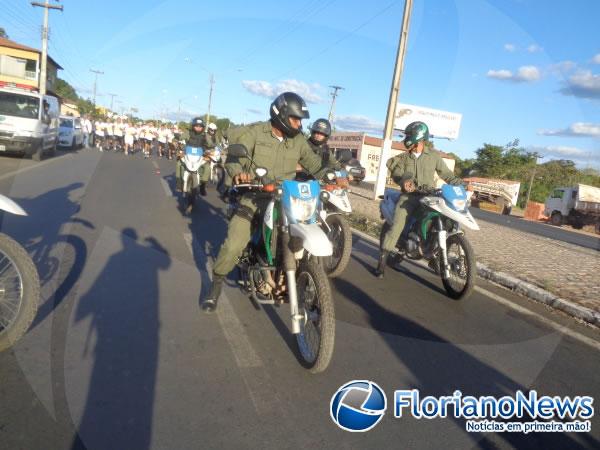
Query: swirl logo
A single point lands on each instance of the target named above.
(358, 406)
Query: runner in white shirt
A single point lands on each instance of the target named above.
(118, 133)
(129, 138)
(99, 135)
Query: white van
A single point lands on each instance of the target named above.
(28, 122)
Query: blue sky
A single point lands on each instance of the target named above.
(526, 69)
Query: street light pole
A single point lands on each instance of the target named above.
(212, 83)
(97, 72)
(391, 111)
(332, 108)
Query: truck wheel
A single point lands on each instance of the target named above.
(507, 210)
(556, 219)
(597, 228)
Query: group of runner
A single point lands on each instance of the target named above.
(132, 137)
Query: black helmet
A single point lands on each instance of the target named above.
(415, 132)
(197, 121)
(286, 105)
(321, 126)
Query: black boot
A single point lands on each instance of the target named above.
(209, 305)
(380, 271)
(203, 188)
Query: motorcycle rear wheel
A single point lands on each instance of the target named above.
(340, 236)
(317, 336)
(19, 291)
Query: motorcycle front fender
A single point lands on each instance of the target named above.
(313, 237)
(6, 204)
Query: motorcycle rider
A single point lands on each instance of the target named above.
(211, 143)
(412, 170)
(277, 145)
(196, 138)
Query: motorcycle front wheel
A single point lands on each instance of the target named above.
(19, 291)
(317, 335)
(340, 235)
(462, 267)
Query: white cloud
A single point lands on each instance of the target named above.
(596, 59)
(528, 73)
(525, 74)
(583, 84)
(358, 123)
(582, 158)
(255, 111)
(578, 129)
(309, 92)
(533, 48)
(509, 47)
(562, 67)
(500, 74)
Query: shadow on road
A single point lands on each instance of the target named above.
(440, 369)
(122, 306)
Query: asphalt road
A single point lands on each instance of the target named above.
(537, 228)
(120, 355)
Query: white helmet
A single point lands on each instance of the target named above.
(212, 126)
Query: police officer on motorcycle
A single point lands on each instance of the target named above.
(277, 145)
(412, 170)
(197, 138)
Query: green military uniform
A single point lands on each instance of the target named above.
(280, 159)
(421, 170)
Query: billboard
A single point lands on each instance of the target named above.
(442, 124)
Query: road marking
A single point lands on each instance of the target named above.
(508, 303)
(233, 328)
(561, 328)
(166, 187)
(255, 376)
(33, 166)
(155, 164)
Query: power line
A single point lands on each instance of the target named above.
(343, 38)
(333, 97)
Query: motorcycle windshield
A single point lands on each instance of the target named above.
(194, 151)
(300, 200)
(455, 197)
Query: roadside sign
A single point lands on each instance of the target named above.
(442, 124)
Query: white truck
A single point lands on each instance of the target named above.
(501, 194)
(578, 206)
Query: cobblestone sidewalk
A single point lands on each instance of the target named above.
(566, 270)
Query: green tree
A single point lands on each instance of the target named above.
(65, 90)
(3, 33)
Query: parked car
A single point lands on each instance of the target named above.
(357, 171)
(28, 122)
(70, 132)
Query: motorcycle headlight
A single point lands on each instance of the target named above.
(303, 209)
(459, 205)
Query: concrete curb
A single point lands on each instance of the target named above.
(523, 288)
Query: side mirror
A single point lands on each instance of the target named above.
(345, 156)
(237, 150)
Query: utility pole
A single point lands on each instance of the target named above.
(112, 98)
(391, 111)
(332, 108)
(97, 72)
(212, 83)
(43, 71)
(532, 178)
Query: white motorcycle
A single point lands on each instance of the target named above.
(433, 233)
(334, 208)
(192, 161)
(279, 264)
(19, 284)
